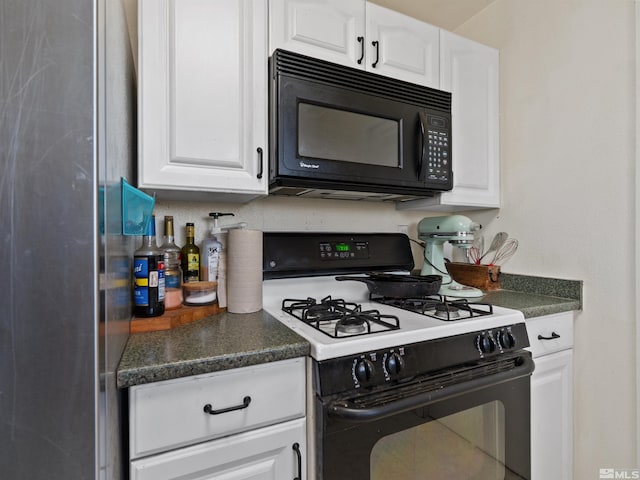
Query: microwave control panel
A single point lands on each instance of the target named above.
(438, 146)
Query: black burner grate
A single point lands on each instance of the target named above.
(438, 306)
(338, 318)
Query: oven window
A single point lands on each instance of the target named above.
(463, 446)
(331, 134)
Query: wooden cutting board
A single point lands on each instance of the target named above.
(174, 318)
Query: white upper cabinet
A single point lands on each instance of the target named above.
(357, 34)
(469, 71)
(202, 111)
(402, 47)
(326, 29)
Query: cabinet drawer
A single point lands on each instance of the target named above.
(550, 333)
(266, 453)
(170, 414)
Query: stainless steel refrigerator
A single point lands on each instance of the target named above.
(67, 136)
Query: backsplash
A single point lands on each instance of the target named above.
(290, 214)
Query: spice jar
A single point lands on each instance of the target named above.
(199, 293)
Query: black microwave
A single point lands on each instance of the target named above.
(339, 132)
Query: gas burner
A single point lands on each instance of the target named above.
(337, 318)
(352, 325)
(447, 312)
(438, 306)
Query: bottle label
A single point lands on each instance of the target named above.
(213, 260)
(161, 281)
(172, 279)
(141, 281)
(149, 281)
(193, 262)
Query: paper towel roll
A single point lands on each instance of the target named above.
(244, 271)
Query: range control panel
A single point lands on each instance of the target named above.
(395, 364)
(343, 250)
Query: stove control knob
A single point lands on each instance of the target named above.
(364, 370)
(485, 342)
(394, 364)
(506, 339)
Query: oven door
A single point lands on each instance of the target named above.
(474, 429)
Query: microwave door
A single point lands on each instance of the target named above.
(328, 133)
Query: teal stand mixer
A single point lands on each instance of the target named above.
(435, 232)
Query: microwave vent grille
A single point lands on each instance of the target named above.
(320, 71)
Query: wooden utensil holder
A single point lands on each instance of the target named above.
(484, 277)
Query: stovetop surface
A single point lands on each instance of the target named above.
(414, 327)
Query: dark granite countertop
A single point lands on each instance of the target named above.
(536, 296)
(216, 343)
(531, 304)
(230, 340)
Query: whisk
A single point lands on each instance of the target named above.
(505, 252)
(474, 254)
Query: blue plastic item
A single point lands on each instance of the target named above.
(137, 208)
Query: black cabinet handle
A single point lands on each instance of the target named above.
(209, 409)
(260, 164)
(361, 42)
(553, 336)
(376, 44)
(296, 448)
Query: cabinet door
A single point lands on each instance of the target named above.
(402, 47)
(263, 454)
(331, 30)
(551, 417)
(203, 95)
(469, 71)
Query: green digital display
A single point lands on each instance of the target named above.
(343, 247)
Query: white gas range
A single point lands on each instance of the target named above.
(311, 261)
(412, 327)
(399, 387)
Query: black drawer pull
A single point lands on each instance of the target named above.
(209, 409)
(296, 448)
(553, 336)
(260, 163)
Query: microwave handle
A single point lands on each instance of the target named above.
(423, 151)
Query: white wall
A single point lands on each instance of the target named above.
(567, 151)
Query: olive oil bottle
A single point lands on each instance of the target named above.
(190, 255)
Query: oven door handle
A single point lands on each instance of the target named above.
(340, 409)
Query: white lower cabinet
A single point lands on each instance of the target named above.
(244, 423)
(551, 339)
(263, 454)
